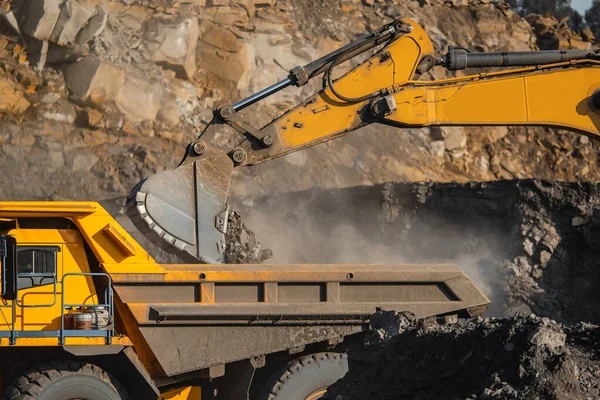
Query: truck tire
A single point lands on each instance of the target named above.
(65, 380)
(306, 378)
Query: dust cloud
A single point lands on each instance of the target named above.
(385, 224)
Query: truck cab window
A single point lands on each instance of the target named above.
(34, 261)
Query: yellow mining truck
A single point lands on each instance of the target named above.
(86, 313)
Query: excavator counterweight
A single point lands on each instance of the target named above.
(185, 210)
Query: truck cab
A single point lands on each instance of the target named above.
(42, 260)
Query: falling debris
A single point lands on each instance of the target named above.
(241, 244)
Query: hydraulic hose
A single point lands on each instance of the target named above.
(340, 96)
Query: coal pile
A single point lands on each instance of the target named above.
(516, 358)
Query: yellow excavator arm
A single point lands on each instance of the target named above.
(184, 210)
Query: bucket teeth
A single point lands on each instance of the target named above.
(184, 210)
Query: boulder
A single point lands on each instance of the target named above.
(138, 99)
(454, 138)
(94, 27)
(588, 35)
(91, 79)
(437, 148)
(225, 15)
(223, 54)
(542, 24)
(84, 162)
(99, 83)
(9, 18)
(226, 65)
(497, 133)
(173, 45)
(73, 17)
(41, 17)
(221, 38)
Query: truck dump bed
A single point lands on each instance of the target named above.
(193, 317)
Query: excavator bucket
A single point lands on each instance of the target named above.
(184, 210)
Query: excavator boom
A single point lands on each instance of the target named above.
(185, 210)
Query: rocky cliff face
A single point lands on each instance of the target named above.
(97, 95)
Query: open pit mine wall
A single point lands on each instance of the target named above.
(97, 95)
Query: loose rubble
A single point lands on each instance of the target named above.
(241, 245)
(520, 358)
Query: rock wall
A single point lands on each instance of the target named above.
(98, 94)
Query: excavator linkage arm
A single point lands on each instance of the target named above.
(184, 210)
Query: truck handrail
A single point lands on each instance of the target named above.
(108, 296)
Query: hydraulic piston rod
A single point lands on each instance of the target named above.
(300, 75)
(258, 96)
(459, 58)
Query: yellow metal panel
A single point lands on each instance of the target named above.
(91, 219)
(105, 246)
(120, 240)
(489, 102)
(550, 95)
(187, 393)
(564, 97)
(126, 323)
(44, 208)
(324, 116)
(77, 289)
(41, 237)
(413, 107)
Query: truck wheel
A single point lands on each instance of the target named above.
(65, 380)
(306, 378)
